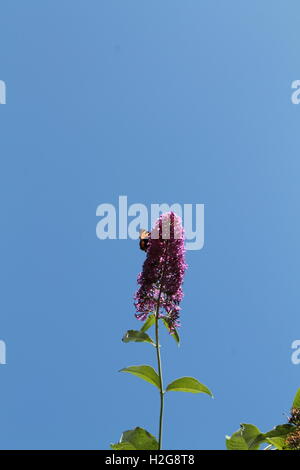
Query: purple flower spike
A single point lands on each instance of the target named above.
(161, 280)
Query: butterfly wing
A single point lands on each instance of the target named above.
(144, 239)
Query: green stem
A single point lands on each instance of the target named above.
(161, 387)
(160, 375)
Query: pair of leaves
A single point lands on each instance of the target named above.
(136, 439)
(139, 336)
(249, 437)
(184, 384)
(150, 322)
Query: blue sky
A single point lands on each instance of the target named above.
(173, 101)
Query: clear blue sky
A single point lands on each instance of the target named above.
(173, 101)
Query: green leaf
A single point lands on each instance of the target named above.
(174, 335)
(251, 434)
(144, 372)
(188, 384)
(248, 437)
(148, 323)
(236, 441)
(280, 431)
(136, 439)
(296, 402)
(278, 434)
(277, 442)
(122, 446)
(137, 337)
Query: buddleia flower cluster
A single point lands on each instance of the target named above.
(160, 282)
